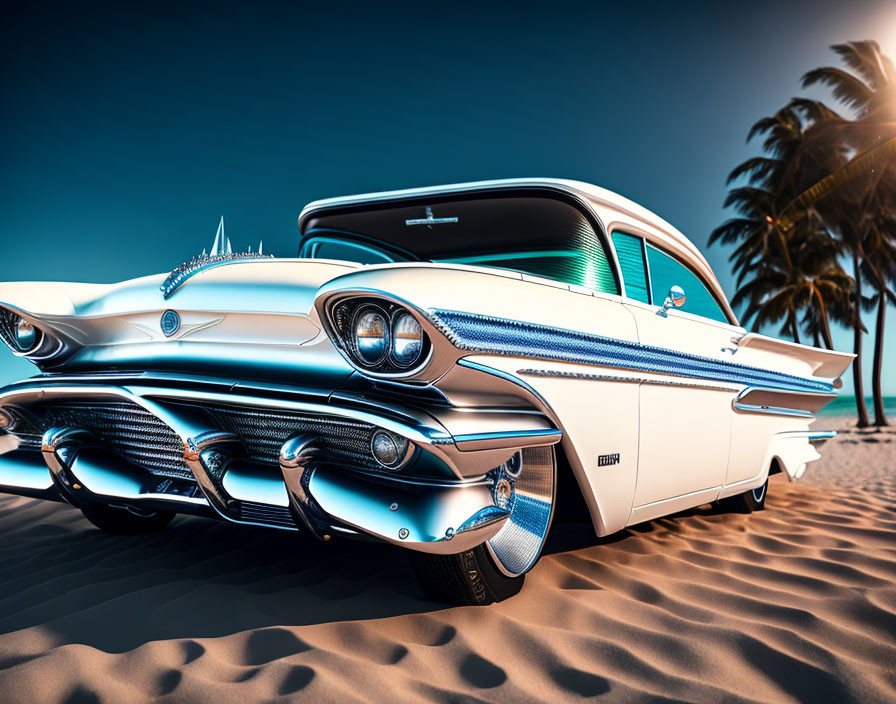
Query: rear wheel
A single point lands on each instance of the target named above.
(120, 520)
(749, 501)
(495, 570)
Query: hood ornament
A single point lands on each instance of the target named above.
(221, 253)
(429, 220)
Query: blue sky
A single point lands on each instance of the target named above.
(129, 128)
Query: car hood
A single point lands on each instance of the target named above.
(257, 316)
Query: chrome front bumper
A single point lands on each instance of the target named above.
(448, 511)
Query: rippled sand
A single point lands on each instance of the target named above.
(796, 603)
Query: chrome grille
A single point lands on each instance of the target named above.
(343, 441)
(268, 515)
(128, 429)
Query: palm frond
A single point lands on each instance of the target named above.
(861, 165)
(845, 87)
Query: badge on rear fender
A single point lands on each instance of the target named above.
(606, 460)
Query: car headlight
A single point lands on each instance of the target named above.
(389, 449)
(26, 335)
(407, 340)
(18, 333)
(370, 335)
(378, 335)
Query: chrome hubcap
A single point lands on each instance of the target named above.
(759, 493)
(530, 496)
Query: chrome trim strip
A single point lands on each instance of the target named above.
(509, 434)
(472, 332)
(622, 379)
(819, 437)
(508, 439)
(771, 410)
(739, 405)
(765, 397)
(164, 378)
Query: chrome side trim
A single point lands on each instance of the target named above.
(623, 379)
(819, 437)
(472, 332)
(508, 439)
(761, 397)
(813, 400)
(771, 410)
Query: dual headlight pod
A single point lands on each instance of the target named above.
(19, 334)
(380, 336)
(376, 337)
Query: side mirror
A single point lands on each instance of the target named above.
(675, 297)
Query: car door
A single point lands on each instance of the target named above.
(685, 422)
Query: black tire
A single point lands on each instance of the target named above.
(468, 579)
(749, 501)
(121, 521)
(496, 570)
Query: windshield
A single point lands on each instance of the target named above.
(535, 235)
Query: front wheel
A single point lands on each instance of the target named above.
(749, 501)
(125, 521)
(495, 570)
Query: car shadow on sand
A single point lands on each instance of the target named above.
(200, 578)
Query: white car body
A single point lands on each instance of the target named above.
(654, 409)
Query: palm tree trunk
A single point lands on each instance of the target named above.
(794, 328)
(861, 409)
(880, 417)
(825, 323)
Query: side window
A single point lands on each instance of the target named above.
(630, 251)
(665, 272)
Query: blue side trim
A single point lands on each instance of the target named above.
(510, 434)
(481, 333)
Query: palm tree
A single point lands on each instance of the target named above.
(869, 89)
(879, 267)
(804, 276)
(789, 269)
(843, 216)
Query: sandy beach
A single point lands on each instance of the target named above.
(796, 603)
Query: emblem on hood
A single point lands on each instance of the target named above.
(172, 326)
(170, 323)
(222, 253)
(429, 220)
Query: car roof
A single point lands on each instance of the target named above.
(608, 208)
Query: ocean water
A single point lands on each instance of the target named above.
(846, 406)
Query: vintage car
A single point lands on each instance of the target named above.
(444, 369)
